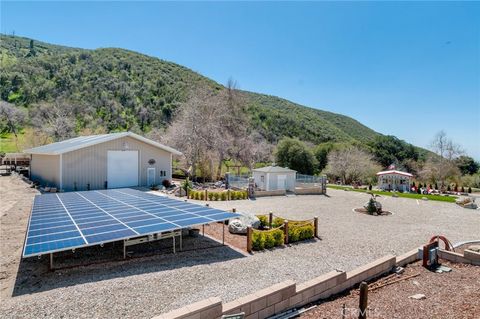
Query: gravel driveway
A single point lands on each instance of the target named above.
(142, 288)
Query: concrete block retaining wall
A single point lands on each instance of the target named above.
(287, 294)
(468, 257)
(280, 192)
(309, 191)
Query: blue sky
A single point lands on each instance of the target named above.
(405, 69)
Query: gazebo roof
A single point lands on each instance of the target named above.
(394, 172)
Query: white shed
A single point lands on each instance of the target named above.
(274, 178)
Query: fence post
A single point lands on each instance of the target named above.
(362, 314)
(270, 219)
(206, 194)
(228, 194)
(315, 227)
(285, 230)
(249, 239)
(234, 210)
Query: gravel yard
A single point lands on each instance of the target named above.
(144, 287)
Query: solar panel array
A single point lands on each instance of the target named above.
(66, 221)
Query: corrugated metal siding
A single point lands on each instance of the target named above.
(89, 165)
(45, 169)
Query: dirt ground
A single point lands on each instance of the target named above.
(16, 200)
(452, 295)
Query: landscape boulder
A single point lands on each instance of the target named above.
(239, 225)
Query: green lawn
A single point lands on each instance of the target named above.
(7, 143)
(449, 199)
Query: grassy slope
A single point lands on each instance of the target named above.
(101, 76)
(449, 199)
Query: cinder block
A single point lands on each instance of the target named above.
(275, 298)
(259, 304)
(281, 306)
(295, 300)
(308, 293)
(471, 255)
(267, 312)
(231, 307)
(407, 258)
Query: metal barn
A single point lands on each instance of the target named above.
(101, 161)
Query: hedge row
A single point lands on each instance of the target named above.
(297, 231)
(267, 239)
(217, 196)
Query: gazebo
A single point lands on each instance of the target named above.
(394, 180)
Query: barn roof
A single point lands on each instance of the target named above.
(274, 169)
(85, 141)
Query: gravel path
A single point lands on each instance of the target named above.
(142, 288)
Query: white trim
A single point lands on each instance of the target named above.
(61, 172)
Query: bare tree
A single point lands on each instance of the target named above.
(351, 164)
(210, 127)
(54, 119)
(11, 119)
(442, 168)
(445, 147)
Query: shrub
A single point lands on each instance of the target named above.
(223, 196)
(245, 195)
(463, 189)
(277, 222)
(202, 195)
(210, 196)
(293, 234)
(371, 207)
(263, 221)
(278, 236)
(216, 196)
(197, 195)
(269, 240)
(258, 240)
(166, 183)
(233, 195)
(186, 185)
(306, 232)
(469, 189)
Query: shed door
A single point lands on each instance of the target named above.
(282, 182)
(122, 169)
(150, 176)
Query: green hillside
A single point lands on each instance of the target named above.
(118, 89)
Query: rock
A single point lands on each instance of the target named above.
(425, 198)
(418, 297)
(470, 205)
(375, 214)
(239, 225)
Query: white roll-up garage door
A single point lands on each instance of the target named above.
(122, 169)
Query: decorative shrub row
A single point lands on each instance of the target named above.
(267, 239)
(297, 231)
(217, 196)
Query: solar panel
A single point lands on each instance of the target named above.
(64, 221)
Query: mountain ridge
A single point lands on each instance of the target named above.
(122, 89)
